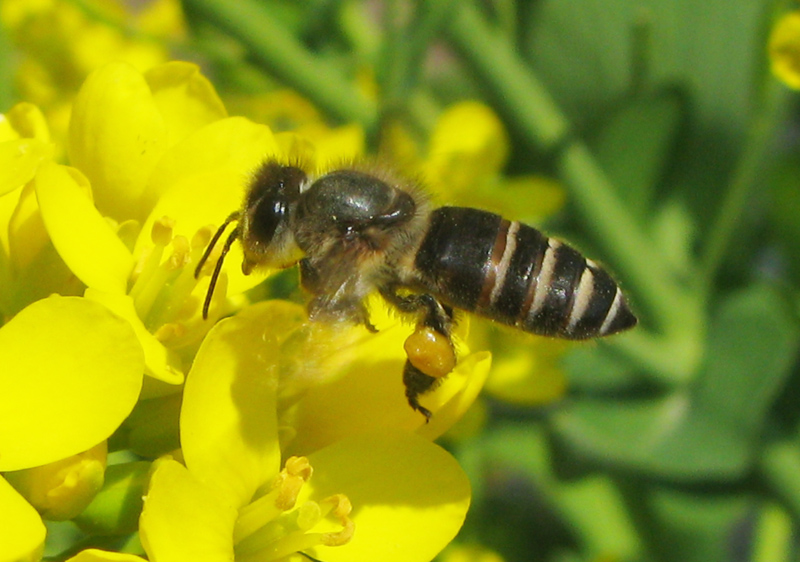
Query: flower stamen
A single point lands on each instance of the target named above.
(290, 481)
(273, 526)
(340, 508)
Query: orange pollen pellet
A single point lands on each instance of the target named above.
(430, 352)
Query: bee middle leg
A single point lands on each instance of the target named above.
(332, 305)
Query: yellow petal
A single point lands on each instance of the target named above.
(19, 160)
(359, 388)
(23, 533)
(160, 362)
(72, 372)
(529, 372)
(8, 205)
(26, 233)
(468, 145)
(451, 401)
(530, 198)
(95, 555)
(228, 420)
(161, 17)
(234, 144)
(203, 179)
(364, 391)
(183, 519)
(185, 98)
(335, 146)
(116, 137)
(409, 496)
(85, 241)
(784, 49)
(29, 122)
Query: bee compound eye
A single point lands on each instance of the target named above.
(267, 216)
(274, 188)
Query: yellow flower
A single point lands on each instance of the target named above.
(163, 164)
(527, 369)
(287, 111)
(155, 165)
(386, 494)
(61, 42)
(72, 371)
(784, 49)
(25, 248)
(466, 154)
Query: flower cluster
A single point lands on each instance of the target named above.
(268, 435)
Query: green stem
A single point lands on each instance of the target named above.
(528, 106)
(746, 175)
(404, 52)
(282, 55)
(517, 91)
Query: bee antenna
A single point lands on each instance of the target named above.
(232, 237)
(307, 556)
(214, 239)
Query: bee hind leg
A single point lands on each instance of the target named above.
(429, 350)
(416, 383)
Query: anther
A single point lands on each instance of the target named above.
(161, 232)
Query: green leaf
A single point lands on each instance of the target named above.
(587, 52)
(116, 508)
(689, 525)
(708, 431)
(598, 369)
(592, 54)
(635, 145)
(591, 506)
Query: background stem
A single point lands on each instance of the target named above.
(757, 146)
(283, 56)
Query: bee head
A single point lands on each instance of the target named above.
(264, 221)
(263, 228)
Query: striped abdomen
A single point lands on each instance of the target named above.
(512, 273)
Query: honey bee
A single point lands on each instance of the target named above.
(359, 229)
